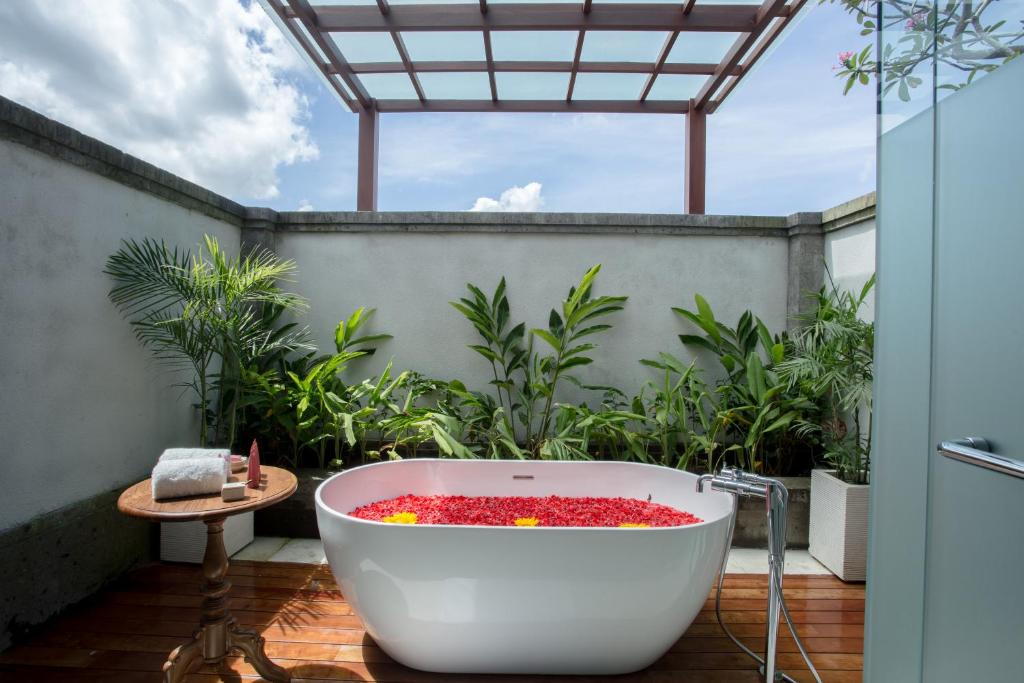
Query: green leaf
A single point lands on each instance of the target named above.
(904, 91)
(574, 362)
(755, 377)
(552, 341)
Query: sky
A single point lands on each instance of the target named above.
(210, 90)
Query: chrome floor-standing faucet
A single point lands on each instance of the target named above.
(776, 498)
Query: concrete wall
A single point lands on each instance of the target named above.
(850, 234)
(83, 410)
(411, 277)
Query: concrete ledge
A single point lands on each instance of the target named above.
(849, 213)
(64, 556)
(26, 127)
(518, 223)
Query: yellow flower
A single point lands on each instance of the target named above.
(527, 521)
(631, 525)
(401, 518)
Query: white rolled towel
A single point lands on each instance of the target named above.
(176, 477)
(192, 453)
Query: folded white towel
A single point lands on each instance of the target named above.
(187, 477)
(191, 453)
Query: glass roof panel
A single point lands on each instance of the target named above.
(302, 29)
(623, 46)
(366, 47)
(676, 87)
(389, 86)
(444, 45)
(343, 2)
(425, 2)
(455, 86)
(701, 47)
(591, 86)
(532, 86)
(556, 46)
(341, 84)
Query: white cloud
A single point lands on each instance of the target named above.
(304, 205)
(199, 88)
(526, 198)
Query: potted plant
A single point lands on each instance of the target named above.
(831, 358)
(207, 316)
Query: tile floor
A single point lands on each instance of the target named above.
(310, 551)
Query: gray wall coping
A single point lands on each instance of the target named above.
(24, 126)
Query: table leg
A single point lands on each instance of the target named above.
(182, 658)
(218, 633)
(251, 645)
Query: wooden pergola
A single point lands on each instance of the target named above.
(320, 31)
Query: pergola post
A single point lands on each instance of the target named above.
(369, 136)
(696, 160)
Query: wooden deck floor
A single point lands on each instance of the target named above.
(125, 633)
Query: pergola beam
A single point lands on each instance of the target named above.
(689, 68)
(403, 53)
(489, 66)
(304, 12)
(574, 67)
(695, 180)
(537, 17)
(489, 56)
(574, 106)
(766, 12)
(758, 27)
(666, 48)
(767, 39)
(326, 69)
(369, 145)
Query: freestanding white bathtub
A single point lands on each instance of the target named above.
(475, 599)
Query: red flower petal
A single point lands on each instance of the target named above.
(552, 511)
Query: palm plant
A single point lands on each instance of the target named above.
(204, 312)
(831, 358)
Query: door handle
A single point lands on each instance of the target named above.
(976, 451)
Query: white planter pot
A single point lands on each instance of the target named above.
(839, 525)
(186, 541)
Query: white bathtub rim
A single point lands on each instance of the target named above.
(345, 517)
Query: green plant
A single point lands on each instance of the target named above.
(677, 413)
(502, 346)
(753, 407)
(565, 330)
(306, 399)
(205, 313)
(523, 377)
(731, 345)
(831, 358)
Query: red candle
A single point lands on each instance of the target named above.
(254, 466)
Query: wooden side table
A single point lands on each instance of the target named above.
(218, 633)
